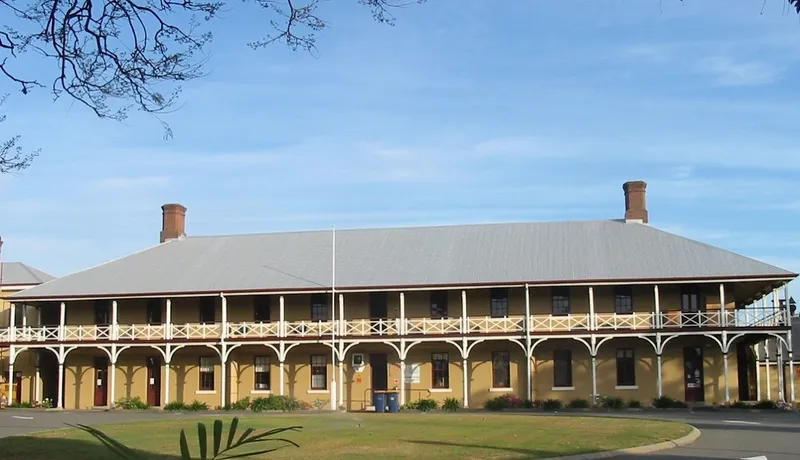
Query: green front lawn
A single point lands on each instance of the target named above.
(428, 436)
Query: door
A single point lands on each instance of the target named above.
(380, 372)
(18, 387)
(154, 382)
(154, 311)
(100, 382)
(693, 374)
(746, 369)
(378, 311)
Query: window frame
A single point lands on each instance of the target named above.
(562, 361)
(626, 367)
(316, 372)
(204, 377)
(498, 303)
(623, 300)
(440, 363)
(495, 370)
(439, 308)
(689, 293)
(318, 304)
(265, 380)
(561, 301)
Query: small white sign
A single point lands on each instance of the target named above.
(152, 381)
(99, 382)
(411, 373)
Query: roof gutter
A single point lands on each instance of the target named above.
(360, 289)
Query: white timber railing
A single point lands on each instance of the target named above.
(559, 323)
(86, 333)
(309, 328)
(616, 321)
(196, 331)
(253, 330)
(489, 325)
(365, 327)
(141, 332)
(433, 326)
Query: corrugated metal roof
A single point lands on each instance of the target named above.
(404, 257)
(17, 273)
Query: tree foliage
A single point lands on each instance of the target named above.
(12, 157)
(114, 55)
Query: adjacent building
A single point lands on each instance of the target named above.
(15, 277)
(542, 310)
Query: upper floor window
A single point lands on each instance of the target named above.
(154, 311)
(208, 310)
(441, 370)
(499, 303)
(561, 301)
(692, 301)
(319, 307)
(623, 300)
(378, 305)
(438, 304)
(101, 314)
(261, 307)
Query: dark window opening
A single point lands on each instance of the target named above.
(562, 372)
(441, 370)
(501, 369)
(623, 300)
(261, 308)
(319, 307)
(439, 304)
(626, 367)
(499, 303)
(561, 305)
(208, 310)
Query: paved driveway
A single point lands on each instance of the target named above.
(725, 435)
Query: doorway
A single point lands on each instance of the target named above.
(18, 387)
(693, 374)
(100, 382)
(746, 372)
(378, 310)
(154, 382)
(48, 372)
(379, 372)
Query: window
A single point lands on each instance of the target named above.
(261, 307)
(319, 307)
(561, 301)
(691, 301)
(501, 369)
(206, 373)
(378, 305)
(154, 311)
(562, 372)
(208, 310)
(441, 370)
(439, 304)
(101, 316)
(626, 367)
(499, 303)
(319, 372)
(261, 373)
(623, 300)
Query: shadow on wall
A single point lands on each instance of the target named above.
(31, 448)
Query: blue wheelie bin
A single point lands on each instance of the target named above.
(379, 399)
(393, 400)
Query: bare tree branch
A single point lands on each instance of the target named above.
(12, 157)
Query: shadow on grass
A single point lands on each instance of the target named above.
(35, 448)
(523, 453)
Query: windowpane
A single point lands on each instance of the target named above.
(206, 373)
(439, 304)
(319, 372)
(501, 369)
(623, 300)
(561, 301)
(562, 372)
(626, 367)
(261, 373)
(499, 303)
(319, 307)
(441, 370)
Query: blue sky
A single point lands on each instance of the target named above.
(462, 113)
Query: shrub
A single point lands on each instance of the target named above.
(319, 404)
(634, 404)
(766, 404)
(196, 406)
(451, 404)
(134, 403)
(175, 406)
(613, 402)
(663, 402)
(47, 403)
(22, 405)
(528, 404)
(538, 403)
(578, 404)
(552, 404)
(739, 405)
(275, 402)
(506, 401)
(242, 404)
(426, 405)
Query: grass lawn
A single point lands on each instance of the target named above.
(430, 436)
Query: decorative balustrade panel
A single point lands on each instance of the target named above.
(196, 331)
(365, 327)
(87, 333)
(253, 330)
(430, 326)
(309, 328)
(614, 321)
(556, 323)
(141, 332)
(489, 325)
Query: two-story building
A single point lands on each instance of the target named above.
(540, 310)
(16, 277)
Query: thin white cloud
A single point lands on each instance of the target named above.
(132, 182)
(727, 71)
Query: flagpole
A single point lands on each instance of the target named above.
(333, 319)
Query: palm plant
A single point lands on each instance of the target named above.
(218, 452)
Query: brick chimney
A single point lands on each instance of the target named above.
(635, 201)
(173, 222)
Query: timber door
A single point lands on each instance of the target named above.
(380, 372)
(378, 311)
(154, 382)
(18, 387)
(100, 382)
(693, 374)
